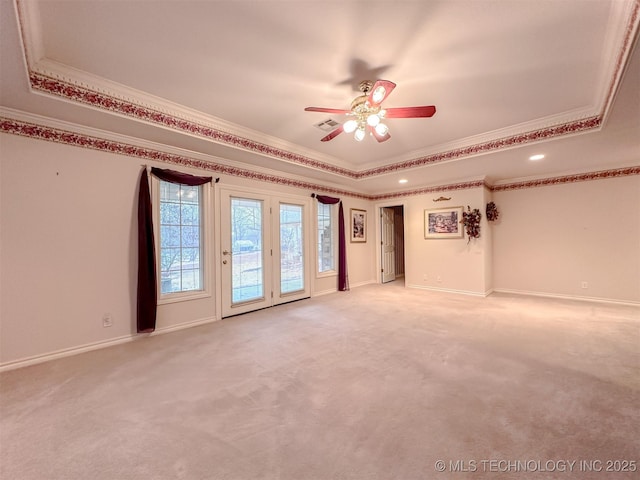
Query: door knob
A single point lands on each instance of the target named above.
(224, 262)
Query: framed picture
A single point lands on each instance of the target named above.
(443, 223)
(358, 225)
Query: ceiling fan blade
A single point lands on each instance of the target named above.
(380, 90)
(410, 112)
(379, 138)
(327, 110)
(333, 134)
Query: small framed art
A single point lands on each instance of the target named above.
(358, 225)
(443, 223)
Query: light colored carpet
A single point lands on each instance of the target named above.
(377, 383)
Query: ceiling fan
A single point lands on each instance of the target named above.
(367, 113)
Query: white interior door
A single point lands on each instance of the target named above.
(265, 250)
(388, 245)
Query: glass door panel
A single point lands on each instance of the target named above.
(291, 249)
(247, 272)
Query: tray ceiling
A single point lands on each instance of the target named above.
(229, 80)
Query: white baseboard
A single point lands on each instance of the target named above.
(68, 352)
(362, 284)
(324, 292)
(334, 290)
(182, 326)
(567, 297)
(528, 293)
(450, 290)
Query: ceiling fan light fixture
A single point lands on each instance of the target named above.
(350, 126)
(378, 94)
(366, 114)
(382, 129)
(373, 120)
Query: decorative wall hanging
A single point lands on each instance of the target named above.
(471, 222)
(492, 212)
(441, 199)
(358, 225)
(443, 223)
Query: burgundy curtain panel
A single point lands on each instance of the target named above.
(343, 278)
(147, 298)
(147, 285)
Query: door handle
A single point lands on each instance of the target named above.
(226, 252)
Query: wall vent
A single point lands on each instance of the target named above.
(327, 125)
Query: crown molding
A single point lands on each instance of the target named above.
(535, 136)
(572, 178)
(52, 130)
(61, 81)
(25, 127)
(620, 44)
(81, 94)
(54, 78)
(449, 187)
(571, 117)
(28, 19)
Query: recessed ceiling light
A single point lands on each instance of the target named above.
(403, 180)
(536, 157)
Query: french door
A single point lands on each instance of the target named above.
(265, 250)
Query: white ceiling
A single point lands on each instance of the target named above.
(495, 69)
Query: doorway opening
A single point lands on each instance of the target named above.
(392, 244)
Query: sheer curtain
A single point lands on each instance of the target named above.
(343, 279)
(147, 297)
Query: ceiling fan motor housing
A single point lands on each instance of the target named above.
(365, 86)
(360, 104)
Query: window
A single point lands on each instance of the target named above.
(326, 238)
(181, 238)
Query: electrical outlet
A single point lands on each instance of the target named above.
(584, 285)
(107, 320)
(439, 279)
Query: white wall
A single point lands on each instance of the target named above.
(486, 230)
(449, 264)
(68, 257)
(551, 239)
(68, 246)
(361, 265)
(69, 249)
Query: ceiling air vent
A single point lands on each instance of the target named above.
(327, 125)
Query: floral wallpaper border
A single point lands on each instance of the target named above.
(41, 132)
